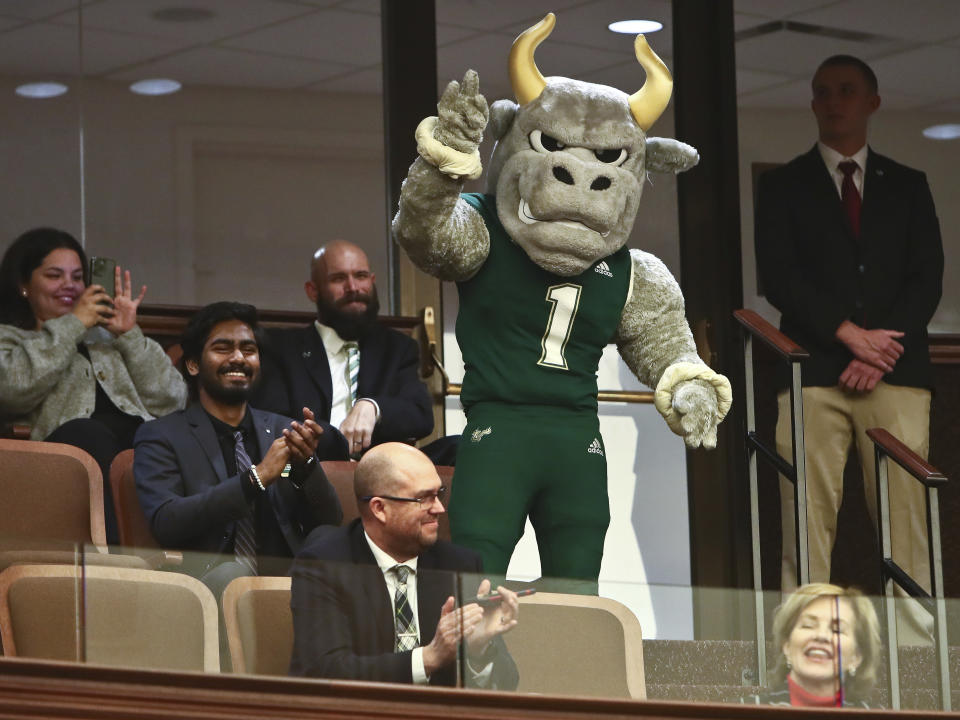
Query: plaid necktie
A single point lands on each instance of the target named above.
(406, 626)
(850, 196)
(245, 540)
(353, 369)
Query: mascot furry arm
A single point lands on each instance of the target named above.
(556, 151)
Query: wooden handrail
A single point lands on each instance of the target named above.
(772, 337)
(627, 396)
(907, 458)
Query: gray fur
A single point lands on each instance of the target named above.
(666, 155)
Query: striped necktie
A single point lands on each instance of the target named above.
(245, 539)
(353, 369)
(405, 624)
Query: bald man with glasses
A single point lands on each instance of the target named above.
(375, 600)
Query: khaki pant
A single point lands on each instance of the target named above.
(833, 420)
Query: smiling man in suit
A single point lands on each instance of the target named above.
(375, 600)
(850, 253)
(239, 485)
(350, 370)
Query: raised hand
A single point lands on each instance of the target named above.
(94, 306)
(124, 304)
(496, 620)
(302, 438)
(463, 114)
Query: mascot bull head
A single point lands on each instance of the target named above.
(571, 158)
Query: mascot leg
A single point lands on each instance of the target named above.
(546, 462)
(492, 487)
(571, 511)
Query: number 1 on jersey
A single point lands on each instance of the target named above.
(565, 300)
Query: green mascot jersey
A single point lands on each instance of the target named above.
(530, 337)
(531, 344)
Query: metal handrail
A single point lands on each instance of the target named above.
(756, 327)
(886, 445)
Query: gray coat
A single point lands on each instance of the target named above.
(45, 381)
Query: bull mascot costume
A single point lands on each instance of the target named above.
(545, 283)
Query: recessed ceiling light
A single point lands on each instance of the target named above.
(155, 86)
(942, 132)
(635, 27)
(41, 90)
(183, 14)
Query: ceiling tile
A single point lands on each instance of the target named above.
(9, 22)
(362, 82)
(494, 14)
(222, 66)
(626, 76)
(753, 80)
(36, 9)
(799, 54)
(371, 7)
(40, 49)
(329, 35)
(929, 71)
(230, 18)
(447, 34)
(794, 94)
(588, 24)
(923, 20)
(777, 9)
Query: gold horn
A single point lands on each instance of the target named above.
(649, 102)
(525, 78)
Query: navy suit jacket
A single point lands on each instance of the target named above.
(343, 624)
(818, 274)
(296, 374)
(191, 503)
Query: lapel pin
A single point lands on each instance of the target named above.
(306, 353)
(267, 430)
(880, 173)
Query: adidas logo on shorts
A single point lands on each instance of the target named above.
(595, 448)
(603, 269)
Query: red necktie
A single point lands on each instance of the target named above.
(850, 196)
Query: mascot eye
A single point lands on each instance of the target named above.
(613, 156)
(544, 143)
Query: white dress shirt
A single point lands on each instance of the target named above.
(386, 565)
(832, 160)
(340, 404)
(479, 678)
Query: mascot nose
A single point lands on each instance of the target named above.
(563, 175)
(601, 183)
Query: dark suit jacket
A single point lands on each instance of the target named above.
(343, 623)
(190, 502)
(296, 374)
(818, 274)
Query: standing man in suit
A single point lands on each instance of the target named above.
(850, 253)
(351, 371)
(375, 600)
(240, 485)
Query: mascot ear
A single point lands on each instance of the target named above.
(669, 155)
(501, 117)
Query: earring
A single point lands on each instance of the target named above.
(24, 292)
(789, 666)
(852, 672)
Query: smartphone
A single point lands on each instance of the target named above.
(102, 271)
(495, 597)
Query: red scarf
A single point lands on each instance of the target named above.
(802, 698)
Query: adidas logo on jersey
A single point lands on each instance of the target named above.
(595, 448)
(603, 269)
(479, 434)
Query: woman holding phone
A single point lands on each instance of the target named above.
(87, 389)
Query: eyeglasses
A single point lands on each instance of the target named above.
(425, 499)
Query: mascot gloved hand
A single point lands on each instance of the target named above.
(545, 282)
